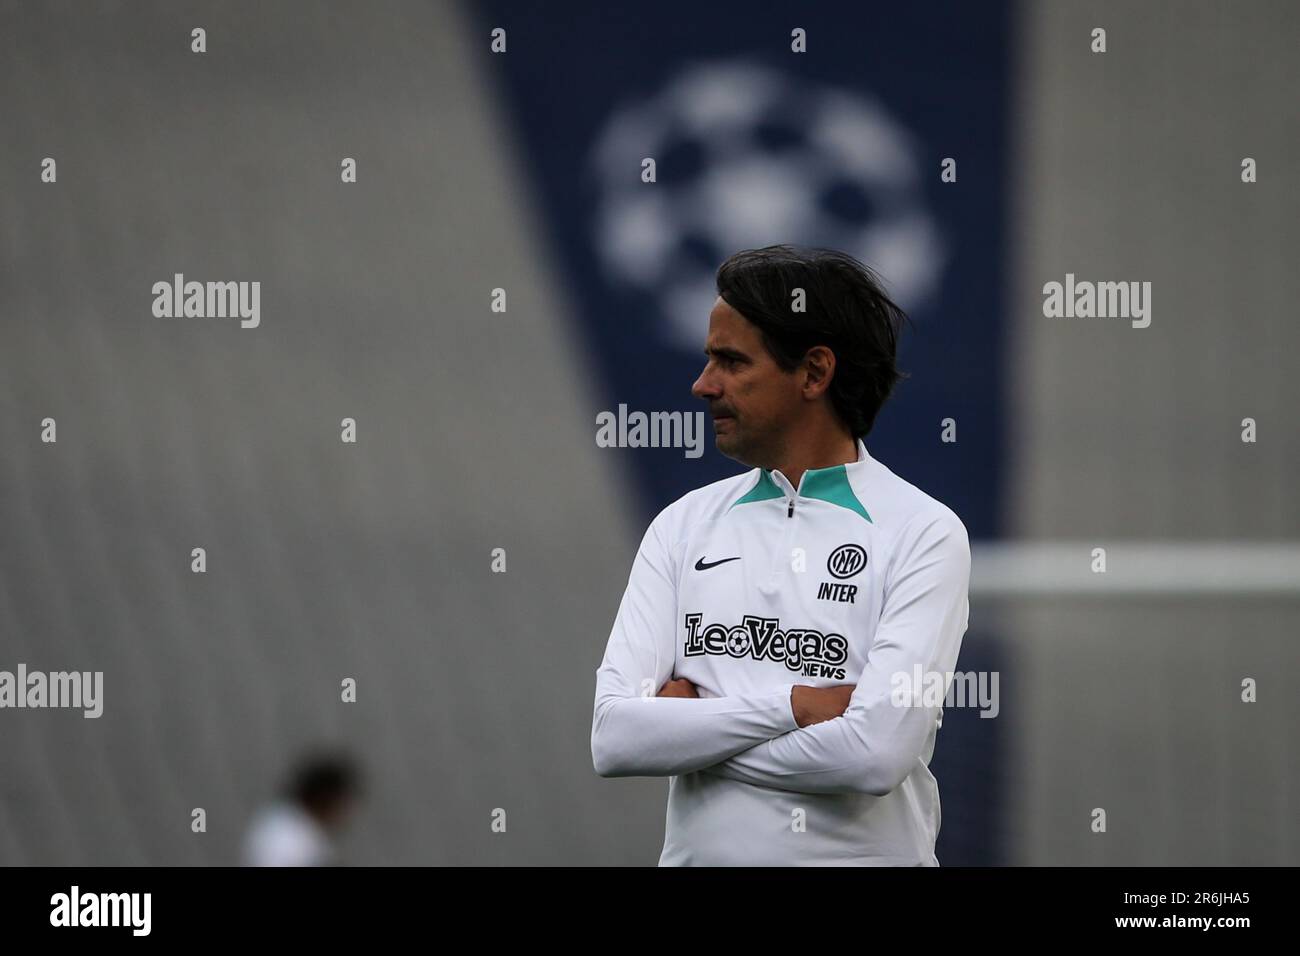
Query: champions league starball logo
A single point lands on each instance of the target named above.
(747, 156)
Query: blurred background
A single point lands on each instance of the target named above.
(373, 561)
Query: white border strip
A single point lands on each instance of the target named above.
(1018, 569)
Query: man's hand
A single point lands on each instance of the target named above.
(812, 705)
(679, 687)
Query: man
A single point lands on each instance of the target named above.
(770, 617)
(299, 828)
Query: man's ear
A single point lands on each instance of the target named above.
(819, 369)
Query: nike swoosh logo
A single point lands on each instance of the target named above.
(702, 565)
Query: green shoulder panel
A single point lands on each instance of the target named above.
(763, 490)
(832, 484)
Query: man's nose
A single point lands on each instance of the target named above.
(704, 387)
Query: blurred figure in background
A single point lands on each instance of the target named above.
(299, 829)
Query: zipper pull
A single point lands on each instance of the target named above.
(790, 513)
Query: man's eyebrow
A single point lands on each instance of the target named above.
(726, 353)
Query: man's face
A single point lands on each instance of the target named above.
(752, 400)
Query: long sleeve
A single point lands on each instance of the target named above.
(635, 733)
(879, 740)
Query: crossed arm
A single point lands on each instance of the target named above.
(849, 739)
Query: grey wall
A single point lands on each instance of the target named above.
(326, 560)
(1130, 166)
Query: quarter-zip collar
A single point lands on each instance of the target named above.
(833, 484)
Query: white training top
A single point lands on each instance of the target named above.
(746, 587)
(284, 834)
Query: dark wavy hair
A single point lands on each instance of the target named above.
(846, 310)
(324, 780)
